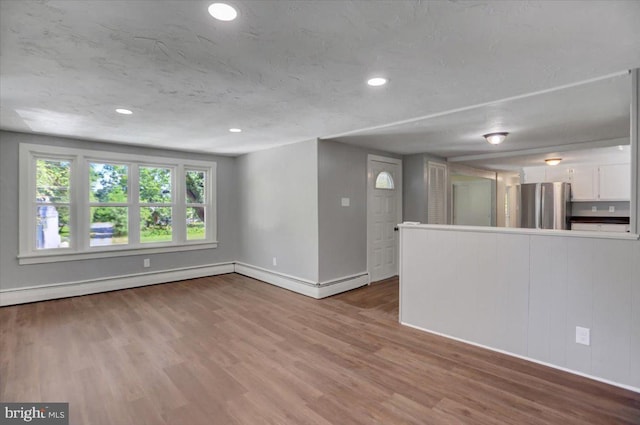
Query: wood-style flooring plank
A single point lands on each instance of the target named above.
(233, 350)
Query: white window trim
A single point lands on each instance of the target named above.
(79, 217)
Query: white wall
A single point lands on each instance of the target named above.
(278, 209)
(526, 293)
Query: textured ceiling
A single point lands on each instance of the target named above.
(287, 71)
(590, 112)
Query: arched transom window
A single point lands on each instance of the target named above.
(384, 180)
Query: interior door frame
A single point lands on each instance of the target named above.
(399, 189)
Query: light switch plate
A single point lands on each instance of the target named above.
(346, 202)
(583, 335)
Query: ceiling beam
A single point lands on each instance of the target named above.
(547, 149)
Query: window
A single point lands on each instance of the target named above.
(79, 204)
(384, 181)
(155, 197)
(108, 204)
(52, 202)
(195, 191)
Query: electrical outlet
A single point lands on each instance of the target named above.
(594, 209)
(146, 262)
(345, 202)
(275, 261)
(583, 335)
(612, 208)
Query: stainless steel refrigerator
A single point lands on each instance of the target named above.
(544, 205)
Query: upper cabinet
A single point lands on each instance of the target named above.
(547, 174)
(611, 182)
(557, 174)
(584, 185)
(601, 183)
(534, 175)
(614, 182)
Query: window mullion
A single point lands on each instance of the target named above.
(134, 210)
(79, 204)
(179, 223)
(211, 213)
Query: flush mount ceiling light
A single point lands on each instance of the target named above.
(553, 161)
(222, 12)
(235, 130)
(495, 138)
(377, 81)
(124, 111)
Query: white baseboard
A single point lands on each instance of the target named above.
(497, 350)
(92, 286)
(336, 286)
(303, 286)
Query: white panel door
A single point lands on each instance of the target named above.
(383, 215)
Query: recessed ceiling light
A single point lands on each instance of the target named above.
(222, 12)
(553, 161)
(235, 130)
(124, 111)
(377, 81)
(496, 138)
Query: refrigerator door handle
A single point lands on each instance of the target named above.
(542, 223)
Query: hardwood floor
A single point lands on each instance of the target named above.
(233, 350)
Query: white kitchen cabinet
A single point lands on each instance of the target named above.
(589, 227)
(534, 175)
(622, 228)
(601, 183)
(611, 182)
(584, 183)
(557, 174)
(614, 182)
(600, 227)
(547, 174)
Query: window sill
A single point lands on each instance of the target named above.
(56, 257)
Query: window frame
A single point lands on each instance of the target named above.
(79, 213)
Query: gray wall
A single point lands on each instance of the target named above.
(414, 181)
(13, 275)
(414, 196)
(342, 173)
(278, 209)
